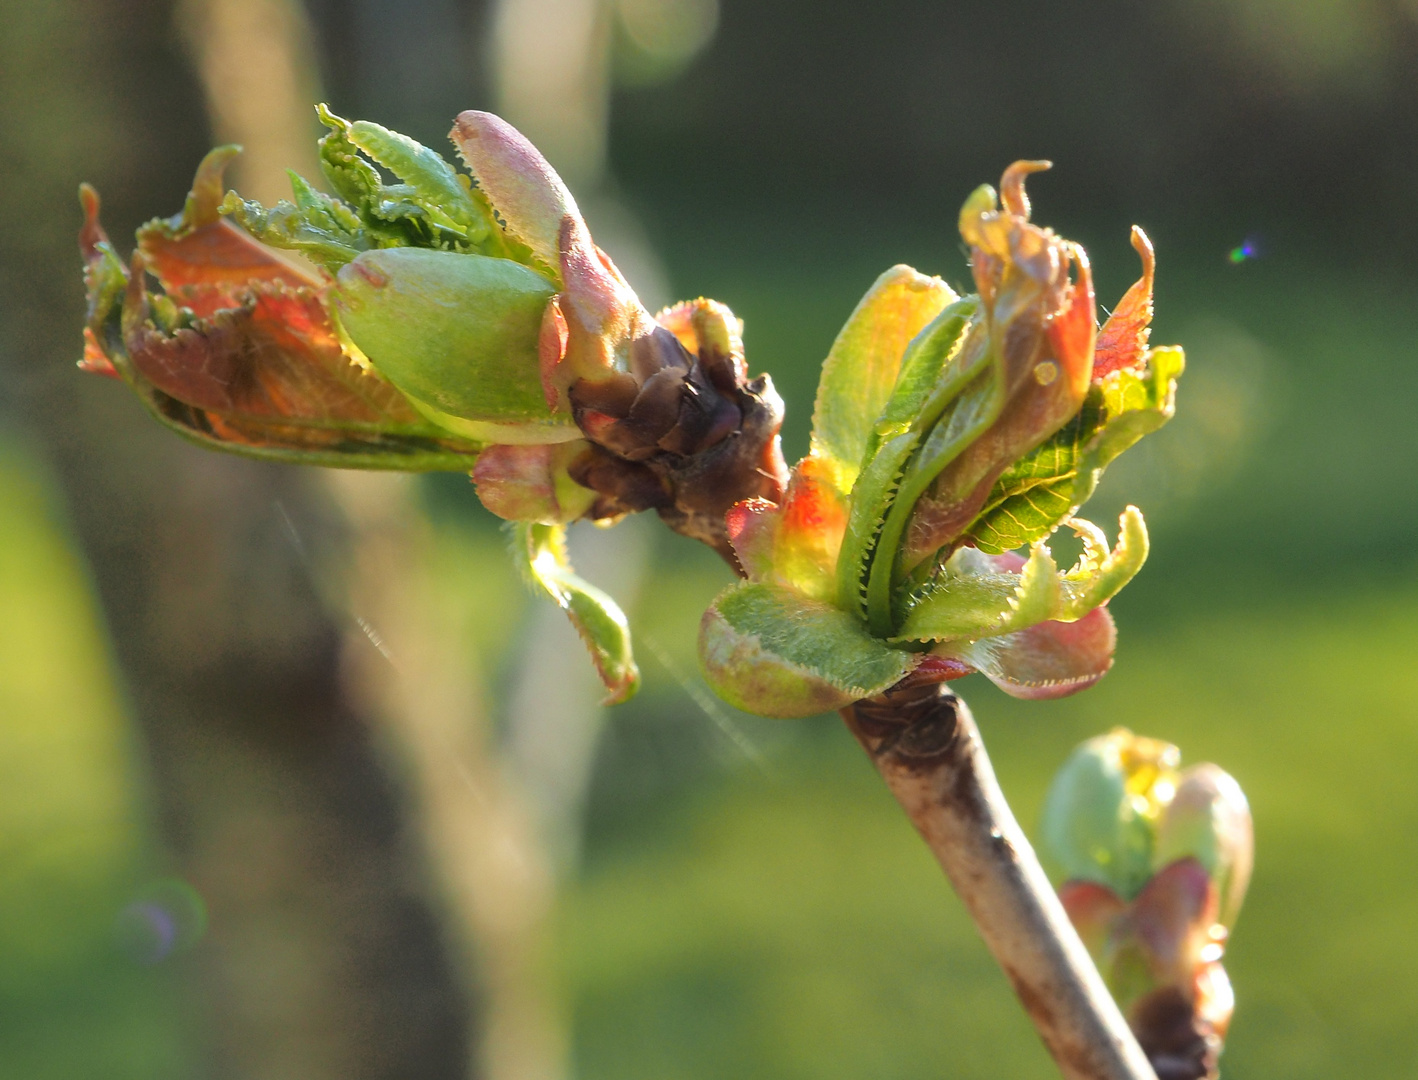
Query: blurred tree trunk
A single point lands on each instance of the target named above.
(411, 656)
(323, 959)
(406, 648)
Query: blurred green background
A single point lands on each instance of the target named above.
(745, 899)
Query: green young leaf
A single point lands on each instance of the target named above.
(973, 597)
(920, 386)
(456, 333)
(323, 229)
(1033, 496)
(769, 650)
(1101, 574)
(969, 414)
(927, 382)
(540, 552)
(433, 207)
(430, 183)
(354, 179)
(861, 369)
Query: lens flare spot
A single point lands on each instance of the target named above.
(164, 918)
(1245, 251)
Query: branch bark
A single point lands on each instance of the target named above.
(928, 750)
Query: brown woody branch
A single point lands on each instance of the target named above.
(926, 746)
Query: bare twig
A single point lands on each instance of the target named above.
(928, 750)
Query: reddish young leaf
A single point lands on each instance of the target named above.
(1122, 343)
(275, 357)
(1047, 660)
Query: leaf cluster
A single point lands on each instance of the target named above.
(431, 205)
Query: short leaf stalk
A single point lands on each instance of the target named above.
(449, 322)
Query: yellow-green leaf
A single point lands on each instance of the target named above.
(540, 552)
(861, 369)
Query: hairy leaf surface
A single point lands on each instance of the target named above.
(920, 395)
(770, 650)
(1033, 496)
(861, 369)
(976, 595)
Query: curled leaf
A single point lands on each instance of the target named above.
(105, 280)
(1122, 342)
(321, 228)
(769, 650)
(1039, 382)
(206, 262)
(1020, 373)
(429, 182)
(431, 205)
(540, 552)
(1045, 661)
(238, 352)
(1133, 394)
(976, 596)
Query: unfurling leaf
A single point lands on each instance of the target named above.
(929, 376)
(238, 351)
(951, 431)
(540, 551)
(977, 595)
(769, 650)
(1020, 372)
(1049, 484)
(860, 371)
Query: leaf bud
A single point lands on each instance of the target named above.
(1158, 931)
(1209, 820)
(1101, 811)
